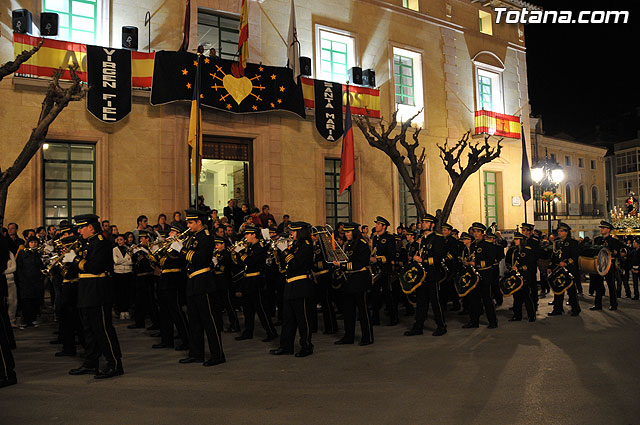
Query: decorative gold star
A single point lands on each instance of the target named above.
(272, 105)
(282, 88)
(279, 100)
(188, 85)
(185, 72)
(195, 63)
(261, 69)
(254, 107)
(206, 60)
(201, 96)
(228, 106)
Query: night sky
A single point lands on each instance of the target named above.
(584, 79)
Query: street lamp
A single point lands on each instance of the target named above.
(548, 174)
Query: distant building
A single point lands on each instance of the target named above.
(623, 172)
(583, 191)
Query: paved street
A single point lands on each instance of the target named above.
(560, 370)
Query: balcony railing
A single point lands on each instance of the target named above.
(563, 209)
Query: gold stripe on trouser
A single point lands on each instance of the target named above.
(366, 312)
(272, 328)
(306, 321)
(4, 329)
(214, 324)
(104, 326)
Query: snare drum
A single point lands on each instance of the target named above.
(595, 259)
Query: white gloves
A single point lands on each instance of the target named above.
(177, 246)
(69, 257)
(214, 260)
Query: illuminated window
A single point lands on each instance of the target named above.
(336, 53)
(77, 19)
(485, 22)
(489, 90)
(410, 4)
(407, 75)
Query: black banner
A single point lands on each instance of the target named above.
(262, 88)
(328, 101)
(109, 80)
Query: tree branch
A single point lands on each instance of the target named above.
(12, 66)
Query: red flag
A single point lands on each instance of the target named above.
(243, 38)
(186, 28)
(348, 161)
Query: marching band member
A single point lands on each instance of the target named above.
(520, 258)
(383, 253)
(250, 290)
(616, 247)
(431, 253)
(322, 274)
(198, 252)
(534, 244)
(298, 292)
(565, 254)
(143, 266)
(483, 254)
(453, 249)
(94, 261)
(358, 280)
(222, 266)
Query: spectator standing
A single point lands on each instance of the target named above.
(29, 268)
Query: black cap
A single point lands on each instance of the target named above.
(86, 219)
(66, 228)
(348, 227)
(478, 226)
(447, 226)
(430, 218)
(527, 226)
(251, 229)
(382, 220)
(606, 225)
(178, 227)
(219, 239)
(465, 235)
(564, 226)
(193, 214)
(143, 234)
(455, 231)
(518, 235)
(299, 225)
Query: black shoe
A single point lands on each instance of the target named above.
(550, 303)
(157, 346)
(343, 341)
(55, 341)
(182, 347)
(232, 329)
(363, 343)
(575, 313)
(613, 307)
(134, 326)
(555, 313)
(65, 354)
(635, 298)
(515, 319)
(439, 332)
(270, 338)
(82, 370)
(243, 337)
(155, 335)
(190, 359)
(213, 362)
(595, 307)
(533, 319)
(304, 352)
(470, 325)
(280, 351)
(412, 332)
(109, 373)
(5, 382)
(393, 322)
(492, 326)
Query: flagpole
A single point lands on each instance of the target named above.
(196, 177)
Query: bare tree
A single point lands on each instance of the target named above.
(381, 137)
(55, 100)
(478, 154)
(12, 66)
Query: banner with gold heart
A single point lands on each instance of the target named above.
(261, 89)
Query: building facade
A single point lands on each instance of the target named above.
(583, 191)
(623, 172)
(447, 58)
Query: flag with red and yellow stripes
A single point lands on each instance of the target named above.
(497, 124)
(55, 54)
(362, 99)
(243, 38)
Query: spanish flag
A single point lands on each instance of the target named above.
(497, 124)
(243, 39)
(362, 99)
(195, 129)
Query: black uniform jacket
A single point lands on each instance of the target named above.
(222, 269)
(254, 259)
(433, 251)
(484, 254)
(172, 271)
(30, 278)
(198, 251)
(299, 259)
(566, 250)
(384, 247)
(522, 257)
(94, 261)
(356, 269)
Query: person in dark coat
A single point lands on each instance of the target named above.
(29, 268)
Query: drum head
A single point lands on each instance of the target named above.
(412, 278)
(603, 261)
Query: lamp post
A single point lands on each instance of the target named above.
(547, 174)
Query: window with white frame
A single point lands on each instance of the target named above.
(410, 4)
(336, 55)
(489, 90)
(79, 21)
(407, 76)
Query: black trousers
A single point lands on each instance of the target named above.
(448, 293)
(623, 276)
(351, 301)
(69, 317)
(598, 283)
(296, 315)
(252, 305)
(572, 292)
(481, 296)
(322, 295)
(124, 288)
(142, 300)
(496, 293)
(100, 337)
(523, 295)
(381, 291)
(635, 284)
(532, 287)
(224, 296)
(30, 307)
(428, 293)
(204, 317)
(171, 314)
(7, 364)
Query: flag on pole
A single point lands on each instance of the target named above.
(186, 28)
(347, 161)
(195, 130)
(293, 49)
(243, 39)
(526, 171)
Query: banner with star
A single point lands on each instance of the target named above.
(262, 88)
